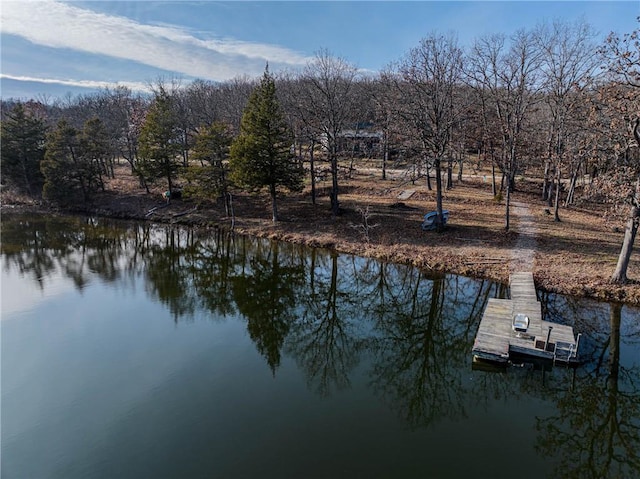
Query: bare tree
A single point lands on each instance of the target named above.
(622, 56)
(329, 81)
(568, 63)
(385, 101)
(506, 76)
(122, 114)
(427, 80)
(292, 93)
(203, 102)
(233, 97)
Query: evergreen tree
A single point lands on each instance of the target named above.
(261, 155)
(159, 144)
(62, 183)
(23, 140)
(211, 150)
(71, 163)
(95, 147)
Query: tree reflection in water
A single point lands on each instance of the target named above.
(323, 339)
(596, 431)
(330, 313)
(423, 343)
(265, 294)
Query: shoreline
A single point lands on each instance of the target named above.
(477, 258)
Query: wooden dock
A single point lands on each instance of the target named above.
(497, 341)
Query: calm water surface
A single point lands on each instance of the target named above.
(138, 351)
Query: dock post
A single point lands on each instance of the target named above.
(575, 351)
(546, 344)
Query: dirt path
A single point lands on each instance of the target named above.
(523, 254)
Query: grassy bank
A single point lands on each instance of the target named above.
(574, 257)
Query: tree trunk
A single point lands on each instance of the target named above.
(227, 203)
(385, 155)
(450, 174)
(335, 208)
(506, 211)
(101, 169)
(572, 187)
(25, 175)
(274, 205)
(620, 274)
(439, 218)
(185, 151)
(556, 209)
(545, 181)
(494, 187)
(313, 173)
(353, 155)
(80, 175)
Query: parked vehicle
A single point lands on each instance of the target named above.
(429, 222)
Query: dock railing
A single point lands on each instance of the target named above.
(571, 351)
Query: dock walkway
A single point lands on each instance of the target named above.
(497, 341)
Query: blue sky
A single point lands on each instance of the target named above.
(53, 47)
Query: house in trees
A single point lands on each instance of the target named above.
(365, 144)
(362, 141)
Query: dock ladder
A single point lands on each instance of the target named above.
(567, 354)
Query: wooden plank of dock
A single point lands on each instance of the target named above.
(523, 288)
(492, 340)
(496, 339)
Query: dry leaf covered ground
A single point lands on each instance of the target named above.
(575, 256)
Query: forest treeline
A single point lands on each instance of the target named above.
(552, 102)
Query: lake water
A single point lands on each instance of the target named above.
(130, 350)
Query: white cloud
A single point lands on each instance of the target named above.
(134, 86)
(58, 25)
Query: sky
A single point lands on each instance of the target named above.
(52, 48)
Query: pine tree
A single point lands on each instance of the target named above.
(23, 139)
(94, 141)
(63, 182)
(211, 150)
(71, 166)
(261, 155)
(159, 144)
